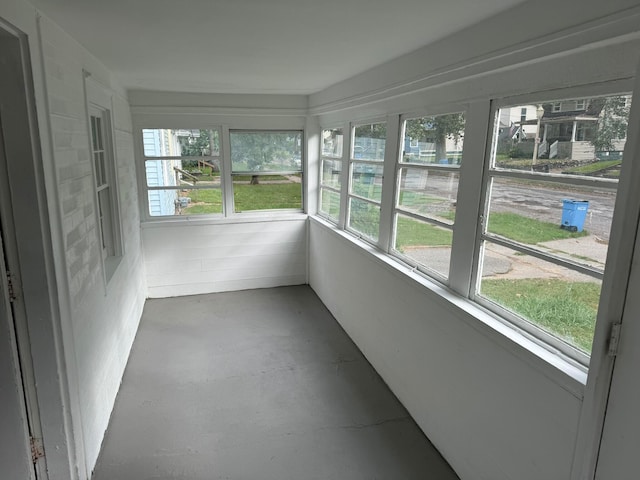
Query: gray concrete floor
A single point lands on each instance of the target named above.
(257, 385)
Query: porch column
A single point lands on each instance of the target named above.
(573, 133)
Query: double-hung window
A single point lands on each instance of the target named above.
(365, 183)
(547, 212)
(331, 173)
(266, 168)
(427, 178)
(183, 171)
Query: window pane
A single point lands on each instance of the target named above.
(558, 300)
(266, 151)
(431, 193)
(169, 142)
(544, 216)
(436, 139)
(584, 137)
(166, 173)
(369, 142)
(424, 243)
(332, 143)
(267, 192)
(330, 204)
(331, 171)
(184, 202)
(364, 217)
(366, 180)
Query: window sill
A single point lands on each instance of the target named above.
(248, 217)
(552, 364)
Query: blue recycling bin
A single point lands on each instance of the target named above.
(574, 213)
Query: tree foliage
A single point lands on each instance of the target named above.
(612, 124)
(265, 151)
(437, 130)
(199, 145)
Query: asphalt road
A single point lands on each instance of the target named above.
(541, 202)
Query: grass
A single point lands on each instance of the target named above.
(591, 168)
(410, 232)
(246, 198)
(330, 204)
(528, 230)
(203, 202)
(566, 309)
(267, 196)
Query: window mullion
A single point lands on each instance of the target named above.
(469, 202)
(345, 175)
(392, 149)
(227, 182)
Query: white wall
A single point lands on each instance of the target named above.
(94, 324)
(186, 259)
(492, 405)
(491, 413)
(104, 317)
(191, 255)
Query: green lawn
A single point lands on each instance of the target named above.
(267, 196)
(528, 230)
(246, 197)
(566, 309)
(410, 232)
(591, 168)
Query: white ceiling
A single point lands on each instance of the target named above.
(256, 46)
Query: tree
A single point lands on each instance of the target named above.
(437, 130)
(198, 145)
(612, 123)
(265, 151)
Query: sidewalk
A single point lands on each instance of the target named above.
(503, 262)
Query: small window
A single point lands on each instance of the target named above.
(545, 228)
(330, 173)
(556, 107)
(183, 171)
(365, 180)
(523, 114)
(427, 190)
(266, 168)
(105, 185)
(580, 104)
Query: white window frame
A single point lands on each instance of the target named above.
(399, 210)
(376, 163)
(145, 184)
(346, 142)
(543, 338)
(301, 171)
(99, 103)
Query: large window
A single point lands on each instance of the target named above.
(183, 171)
(266, 167)
(427, 188)
(549, 202)
(533, 246)
(186, 174)
(330, 173)
(365, 184)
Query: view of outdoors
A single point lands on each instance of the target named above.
(365, 187)
(330, 182)
(547, 232)
(428, 189)
(183, 171)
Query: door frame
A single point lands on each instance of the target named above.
(27, 219)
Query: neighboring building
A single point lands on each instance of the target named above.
(567, 129)
(162, 143)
